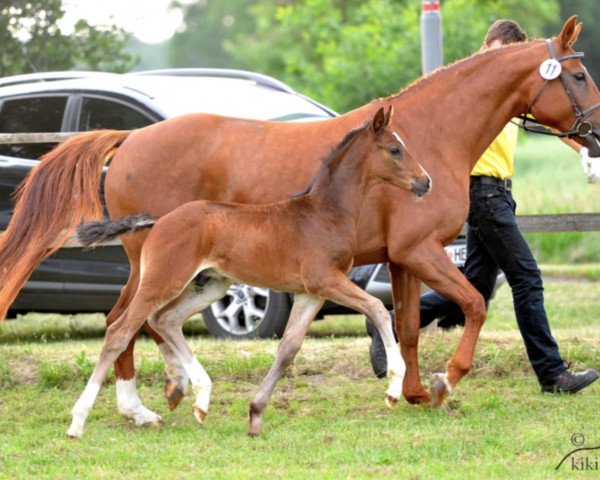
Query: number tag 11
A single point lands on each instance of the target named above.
(550, 69)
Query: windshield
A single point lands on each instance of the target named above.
(230, 97)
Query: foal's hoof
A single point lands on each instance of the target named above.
(448, 409)
(74, 434)
(199, 414)
(145, 418)
(439, 389)
(256, 426)
(174, 394)
(390, 401)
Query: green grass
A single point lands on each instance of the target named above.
(327, 418)
(548, 180)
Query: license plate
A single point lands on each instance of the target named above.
(457, 253)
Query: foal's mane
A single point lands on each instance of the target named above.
(335, 153)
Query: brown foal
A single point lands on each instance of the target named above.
(304, 245)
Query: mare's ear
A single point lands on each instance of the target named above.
(379, 122)
(388, 115)
(570, 32)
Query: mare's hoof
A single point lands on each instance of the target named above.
(173, 393)
(440, 388)
(421, 398)
(199, 414)
(390, 401)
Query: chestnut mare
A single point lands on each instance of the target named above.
(312, 236)
(447, 119)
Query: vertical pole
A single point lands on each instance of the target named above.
(432, 54)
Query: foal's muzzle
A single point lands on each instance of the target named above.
(421, 185)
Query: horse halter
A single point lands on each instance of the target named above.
(581, 127)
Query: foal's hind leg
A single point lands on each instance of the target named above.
(118, 335)
(304, 310)
(128, 401)
(168, 321)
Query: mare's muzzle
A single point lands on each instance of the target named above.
(593, 143)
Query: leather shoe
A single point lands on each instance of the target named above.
(568, 382)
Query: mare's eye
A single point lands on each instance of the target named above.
(579, 76)
(395, 151)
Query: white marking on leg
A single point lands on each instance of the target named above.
(201, 383)
(444, 378)
(130, 405)
(82, 408)
(396, 371)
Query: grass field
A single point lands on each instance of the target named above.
(327, 418)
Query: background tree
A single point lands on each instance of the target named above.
(32, 40)
(207, 26)
(347, 52)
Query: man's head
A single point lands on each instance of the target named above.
(503, 32)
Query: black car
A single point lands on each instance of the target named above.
(74, 280)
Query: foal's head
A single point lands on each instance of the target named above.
(390, 160)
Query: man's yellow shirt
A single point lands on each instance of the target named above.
(498, 160)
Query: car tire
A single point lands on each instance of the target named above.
(248, 312)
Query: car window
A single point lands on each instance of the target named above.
(101, 113)
(31, 115)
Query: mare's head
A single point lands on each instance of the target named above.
(390, 160)
(564, 95)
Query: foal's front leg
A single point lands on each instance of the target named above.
(344, 292)
(304, 310)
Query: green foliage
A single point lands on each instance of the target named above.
(341, 53)
(346, 53)
(85, 366)
(207, 26)
(55, 374)
(465, 22)
(32, 40)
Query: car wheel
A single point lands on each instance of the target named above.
(248, 312)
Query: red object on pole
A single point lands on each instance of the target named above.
(431, 6)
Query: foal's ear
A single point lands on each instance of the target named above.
(570, 32)
(379, 121)
(388, 115)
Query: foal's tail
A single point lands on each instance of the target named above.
(97, 233)
(58, 193)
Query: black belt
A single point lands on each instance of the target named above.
(505, 183)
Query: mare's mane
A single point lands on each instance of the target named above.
(335, 152)
(421, 82)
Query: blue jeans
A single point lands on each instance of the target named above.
(494, 241)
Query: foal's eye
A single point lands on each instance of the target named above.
(395, 151)
(579, 76)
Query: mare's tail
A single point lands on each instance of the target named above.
(52, 200)
(97, 233)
